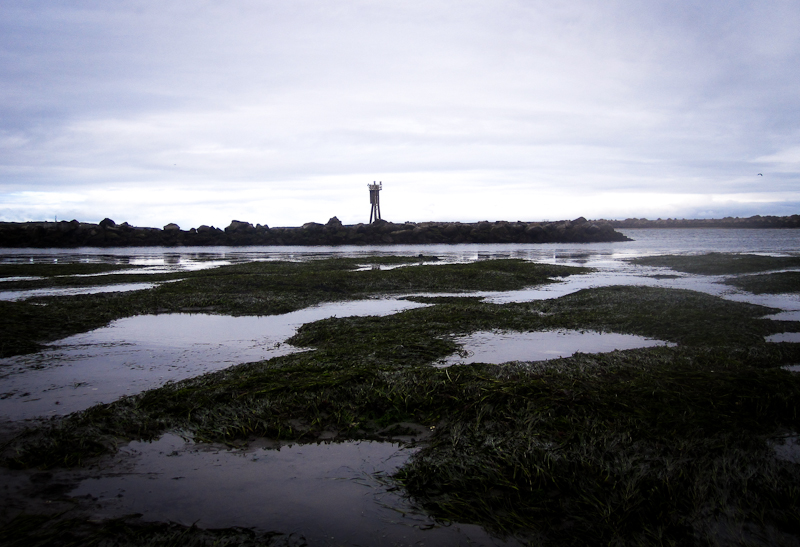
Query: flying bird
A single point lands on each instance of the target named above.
(760, 175)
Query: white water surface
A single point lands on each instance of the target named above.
(17, 295)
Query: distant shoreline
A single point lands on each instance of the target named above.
(757, 221)
(107, 233)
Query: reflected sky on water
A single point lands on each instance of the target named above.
(645, 242)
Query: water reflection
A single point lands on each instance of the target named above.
(330, 494)
(793, 337)
(499, 347)
(15, 296)
(138, 353)
(645, 242)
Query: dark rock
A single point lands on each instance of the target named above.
(239, 226)
(451, 230)
(107, 233)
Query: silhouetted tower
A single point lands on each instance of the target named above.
(375, 200)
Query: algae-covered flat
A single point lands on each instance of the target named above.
(719, 263)
(256, 288)
(27, 530)
(770, 283)
(654, 446)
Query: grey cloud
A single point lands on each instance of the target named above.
(619, 96)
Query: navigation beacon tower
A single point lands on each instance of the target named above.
(375, 200)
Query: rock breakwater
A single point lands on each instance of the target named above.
(110, 234)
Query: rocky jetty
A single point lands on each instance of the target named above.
(110, 234)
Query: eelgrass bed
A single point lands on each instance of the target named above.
(737, 266)
(720, 263)
(657, 446)
(46, 531)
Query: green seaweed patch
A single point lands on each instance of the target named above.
(364, 372)
(609, 448)
(719, 263)
(414, 336)
(257, 288)
(641, 447)
(675, 315)
(664, 445)
(771, 283)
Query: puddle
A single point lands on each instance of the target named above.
(502, 347)
(788, 449)
(784, 337)
(791, 368)
(792, 315)
(138, 353)
(16, 296)
(330, 494)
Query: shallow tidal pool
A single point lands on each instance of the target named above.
(328, 493)
(143, 352)
(497, 347)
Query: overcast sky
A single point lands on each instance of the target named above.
(281, 112)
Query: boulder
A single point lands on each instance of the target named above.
(239, 226)
(451, 230)
(172, 227)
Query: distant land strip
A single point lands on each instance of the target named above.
(110, 234)
(756, 221)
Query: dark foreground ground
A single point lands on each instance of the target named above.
(659, 446)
